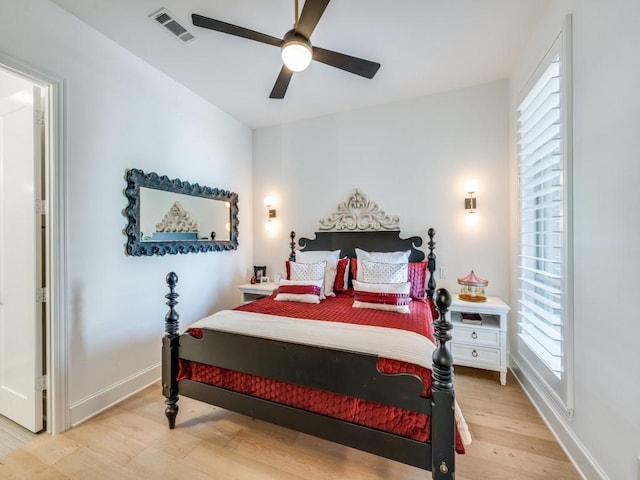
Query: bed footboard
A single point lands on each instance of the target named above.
(437, 455)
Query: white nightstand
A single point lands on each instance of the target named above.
(253, 291)
(485, 345)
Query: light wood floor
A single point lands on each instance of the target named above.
(12, 436)
(132, 441)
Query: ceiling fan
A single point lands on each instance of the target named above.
(296, 49)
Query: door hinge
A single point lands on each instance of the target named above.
(42, 383)
(42, 295)
(42, 206)
(40, 118)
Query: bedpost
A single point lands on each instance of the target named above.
(431, 264)
(170, 343)
(292, 245)
(443, 404)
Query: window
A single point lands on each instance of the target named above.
(544, 313)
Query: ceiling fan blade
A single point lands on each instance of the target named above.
(219, 26)
(359, 66)
(282, 83)
(310, 16)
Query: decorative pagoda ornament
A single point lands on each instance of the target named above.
(472, 288)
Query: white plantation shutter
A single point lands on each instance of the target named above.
(543, 311)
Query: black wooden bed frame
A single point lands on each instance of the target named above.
(337, 371)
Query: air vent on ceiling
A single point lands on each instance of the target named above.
(171, 24)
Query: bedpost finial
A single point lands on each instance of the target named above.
(292, 246)
(171, 318)
(172, 279)
(443, 299)
(441, 372)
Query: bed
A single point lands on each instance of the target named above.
(350, 373)
(352, 347)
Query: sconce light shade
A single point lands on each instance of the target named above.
(472, 186)
(271, 219)
(470, 204)
(296, 51)
(472, 218)
(270, 226)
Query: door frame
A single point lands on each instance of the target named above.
(57, 325)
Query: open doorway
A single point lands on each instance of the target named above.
(32, 308)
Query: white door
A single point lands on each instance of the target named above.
(21, 343)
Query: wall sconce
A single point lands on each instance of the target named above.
(471, 218)
(270, 225)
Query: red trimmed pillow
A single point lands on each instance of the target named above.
(318, 256)
(307, 271)
(304, 291)
(393, 297)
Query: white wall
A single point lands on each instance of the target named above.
(604, 434)
(413, 158)
(121, 113)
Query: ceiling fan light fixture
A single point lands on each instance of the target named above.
(296, 52)
(295, 49)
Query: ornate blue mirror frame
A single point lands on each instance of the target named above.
(173, 241)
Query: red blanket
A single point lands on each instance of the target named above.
(401, 422)
(339, 309)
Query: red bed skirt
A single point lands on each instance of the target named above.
(390, 419)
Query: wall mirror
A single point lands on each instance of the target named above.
(174, 216)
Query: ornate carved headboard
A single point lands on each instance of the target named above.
(360, 222)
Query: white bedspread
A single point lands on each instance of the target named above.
(384, 342)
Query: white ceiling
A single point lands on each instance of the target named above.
(424, 46)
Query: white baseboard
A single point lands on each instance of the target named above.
(100, 401)
(575, 450)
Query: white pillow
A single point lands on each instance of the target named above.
(380, 257)
(374, 272)
(304, 291)
(331, 257)
(308, 272)
(393, 297)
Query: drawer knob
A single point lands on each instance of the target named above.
(474, 335)
(474, 353)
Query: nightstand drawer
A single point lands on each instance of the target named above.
(476, 335)
(470, 355)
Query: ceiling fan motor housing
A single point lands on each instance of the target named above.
(296, 51)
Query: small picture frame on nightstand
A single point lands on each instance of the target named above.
(259, 272)
(264, 279)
